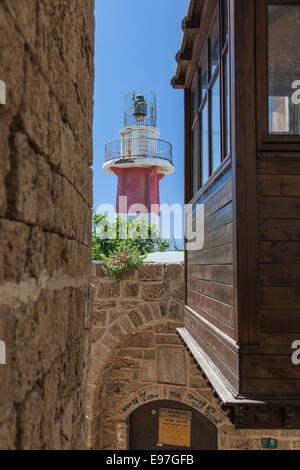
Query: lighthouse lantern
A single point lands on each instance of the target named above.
(140, 107)
(139, 158)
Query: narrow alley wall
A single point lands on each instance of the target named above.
(46, 64)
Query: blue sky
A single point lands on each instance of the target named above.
(136, 43)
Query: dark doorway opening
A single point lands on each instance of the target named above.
(155, 426)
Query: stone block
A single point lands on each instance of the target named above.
(146, 312)
(166, 339)
(30, 419)
(107, 289)
(97, 334)
(172, 365)
(34, 110)
(149, 372)
(12, 53)
(22, 197)
(177, 291)
(151, 272)
(127, 363)
(14, 238)
(116, 331)
(131, 353)
(8, 432)
(149, 354)
(135, 318)
(176, 312)
(142, 340)
(167, 328)
(155, 291)
(174, 272)
(130, 289)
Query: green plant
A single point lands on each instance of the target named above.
(125, 259)
(109, 236)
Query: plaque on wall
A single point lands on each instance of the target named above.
(175, 427)
(172, 365)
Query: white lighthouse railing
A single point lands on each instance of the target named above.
(142, 147)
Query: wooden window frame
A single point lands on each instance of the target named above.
(224, 50)
(265, 140)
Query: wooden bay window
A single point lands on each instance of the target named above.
(278, 74)
(211, 100)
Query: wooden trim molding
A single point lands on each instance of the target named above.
(224, 391)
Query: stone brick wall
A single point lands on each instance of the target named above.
(146, 302)
(46, 62)
(137, 358)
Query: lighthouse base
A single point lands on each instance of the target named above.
(138, 190)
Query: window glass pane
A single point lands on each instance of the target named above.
(225, 21)
(195, 102)
(214, 46)
(227, 103)
(195, 161)
(284, 66)
(204, 75)
(215, 125)
(204, 145)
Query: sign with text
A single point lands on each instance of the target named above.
(175, 427)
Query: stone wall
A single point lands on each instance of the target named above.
(46, 62)
(137, 358)
(148, 303)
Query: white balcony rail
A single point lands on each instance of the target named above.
(142, 147)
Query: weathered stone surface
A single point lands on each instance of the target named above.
(174, 272)
(46, 61)
(172, 365)
(30, 419)
(129, 320)
(107, 289)
(155, 291)
(130, 289)
(137, 357)
(151, 272)
(8, 432)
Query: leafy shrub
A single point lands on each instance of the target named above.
(125, 259)
(109, 236)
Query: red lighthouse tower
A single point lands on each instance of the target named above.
(139, 158)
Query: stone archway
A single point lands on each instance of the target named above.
(133, 377)
(137, 357)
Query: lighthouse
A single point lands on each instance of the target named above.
(139, 158)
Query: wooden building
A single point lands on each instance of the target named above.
(239, 66)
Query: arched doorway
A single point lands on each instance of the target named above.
(170, 425)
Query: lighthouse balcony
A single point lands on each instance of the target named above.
(141, 147)
(139, 152)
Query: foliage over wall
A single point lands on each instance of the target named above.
(136, 234)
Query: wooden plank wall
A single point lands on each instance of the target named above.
(269, 372)
(209, 313)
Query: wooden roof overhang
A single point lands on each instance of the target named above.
(195, 26)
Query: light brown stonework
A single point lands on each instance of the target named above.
(137, 358)
(46, 62)
(46, 282)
